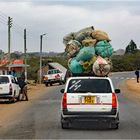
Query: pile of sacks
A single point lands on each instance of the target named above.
(89, 51)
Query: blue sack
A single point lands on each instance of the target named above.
(85, 54)
(104, 49)
(75, 66)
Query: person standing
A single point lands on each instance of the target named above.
(14, 73)
(137, 75)
(23, 86)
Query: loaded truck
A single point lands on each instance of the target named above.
(53, 76)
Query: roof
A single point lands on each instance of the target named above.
(58, 66)
(17, 65)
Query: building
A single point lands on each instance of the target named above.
(16, 65)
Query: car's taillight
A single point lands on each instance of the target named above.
(64, 101)
(114, 100)
(10, 88)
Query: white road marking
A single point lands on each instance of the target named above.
(133, 78)
(122, 78)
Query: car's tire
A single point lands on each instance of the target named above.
(64, 125)
(19, 98)
(50, 84)
(12, 100)
(115, 126)
(46, 84)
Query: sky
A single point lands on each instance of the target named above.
(120, 19)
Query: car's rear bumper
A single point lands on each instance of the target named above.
(91, 116)
(112, 112)
(52, 81)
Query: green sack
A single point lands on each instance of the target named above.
(85, 54)
(104, 49)
(75, 66)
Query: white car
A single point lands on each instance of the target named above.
(91, 99)
(9, 88)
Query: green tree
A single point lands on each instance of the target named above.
(131, 48)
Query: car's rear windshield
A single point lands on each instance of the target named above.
(54, 71)
(4, 80)
(89, 85)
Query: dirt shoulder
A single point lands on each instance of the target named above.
(131, 90)
(133, 85)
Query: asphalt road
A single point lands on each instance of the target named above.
(41, 119)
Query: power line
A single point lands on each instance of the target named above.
(3, 14)
(3, 22)
(5, 19)
(17, 28)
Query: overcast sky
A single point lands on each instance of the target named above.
(121, 20)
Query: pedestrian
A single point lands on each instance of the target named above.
(14, 73)
(137, 75)
(23, 75)
(9, 73)
(23, 86)
(24, 93)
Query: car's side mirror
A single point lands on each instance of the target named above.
(117, 91)
(62, 90)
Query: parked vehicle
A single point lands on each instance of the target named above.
(90, 99)
(53, 76)
(9, 88)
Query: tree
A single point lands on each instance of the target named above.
(131, 48)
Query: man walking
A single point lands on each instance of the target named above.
(137, 75)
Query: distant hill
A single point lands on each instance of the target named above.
(119, 52)
(44, 54)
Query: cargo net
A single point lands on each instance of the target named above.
(89, 52)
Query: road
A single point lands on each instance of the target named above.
(41, 119)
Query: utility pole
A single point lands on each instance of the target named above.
(25, 59)
(40, 74)
(9, 37)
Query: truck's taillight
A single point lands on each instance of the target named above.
(45, 78)
(57, 76)
(10, 88)
(114, 100)
(64, 101)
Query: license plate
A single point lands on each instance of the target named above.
(89, 99)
